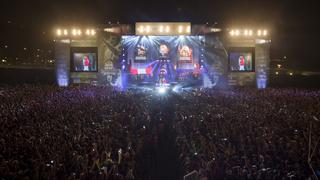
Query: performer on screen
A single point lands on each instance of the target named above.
(162, 76)
(241, 63)
(86, 63)
(164, 50)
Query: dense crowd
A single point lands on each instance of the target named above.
(87, 132)
(248, 134)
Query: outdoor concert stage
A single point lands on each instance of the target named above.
(162, 55)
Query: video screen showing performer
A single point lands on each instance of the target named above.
(241, 61)
(185, 54)
(141, 53)
(164, 51)
(84, 62)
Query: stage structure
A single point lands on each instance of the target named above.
(162, 54)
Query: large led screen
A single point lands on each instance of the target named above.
(84, 59)
(241, 59)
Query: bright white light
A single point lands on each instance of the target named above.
(167, 29)
(79, 32)
(161, 28)
(277, 73)
(188, 29)
(74, 32)
(262, 41)
(59, 32)
(180, 29)
(265, 32)
(141, 29)
(148, 29)
(162, 90)
(65, 32)
(246, 32)
(87, 32)
(177, 89)
(232, 32)
(250, 32)
(93, 32)
(108, 29)
(237, 32)
(259, 33)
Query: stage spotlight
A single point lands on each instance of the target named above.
(59, 32)
(177, 89)
(74, 32)
(148, 29)
(232, 32)
(161, 28)
(188, 29)
(93, 32)
(237, 32)
(259, 33)
(167, 29)
(265, 32)
(87, 32)
(141, 29)
(162, 90)
(246, 33)
(65, 32)
(180, 29)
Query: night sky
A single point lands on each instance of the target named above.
(294, 25)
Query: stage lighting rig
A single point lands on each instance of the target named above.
(75, 32)
(247, 33)
(163, 28)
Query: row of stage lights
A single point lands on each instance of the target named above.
(247, 32)
(75, 32)
(164, 29)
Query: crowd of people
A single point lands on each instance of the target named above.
(248, 134)
(91, 132)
